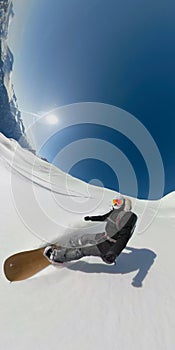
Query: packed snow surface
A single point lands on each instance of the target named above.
(85, 304)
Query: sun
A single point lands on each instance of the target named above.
(51, 119)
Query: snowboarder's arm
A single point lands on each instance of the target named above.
(122, 239)
(98, 217)
(117, 248)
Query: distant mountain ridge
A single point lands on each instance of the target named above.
(11, 124)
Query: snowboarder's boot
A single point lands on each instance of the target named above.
(54, 254)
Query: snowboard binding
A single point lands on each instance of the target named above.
(51, 252)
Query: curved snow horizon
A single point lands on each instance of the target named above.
(85, 304)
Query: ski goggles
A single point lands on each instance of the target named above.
(118, 202)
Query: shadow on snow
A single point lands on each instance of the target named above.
(132, 260)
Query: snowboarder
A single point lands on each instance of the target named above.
(107, 245)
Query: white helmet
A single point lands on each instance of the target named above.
(120, 201)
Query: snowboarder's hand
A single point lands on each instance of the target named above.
(87, 218)
(109, 258)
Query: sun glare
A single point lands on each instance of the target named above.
(52, 119)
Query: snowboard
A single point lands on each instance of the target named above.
(25, 264)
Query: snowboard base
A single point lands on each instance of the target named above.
(25, 264)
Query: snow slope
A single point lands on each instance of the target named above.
(86, 304)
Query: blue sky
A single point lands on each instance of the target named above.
(120, 53)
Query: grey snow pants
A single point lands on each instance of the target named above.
(79, 248)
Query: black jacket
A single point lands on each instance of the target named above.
(100, 217)
(111, 250)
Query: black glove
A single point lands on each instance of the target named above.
(109, 258)
(87, 218)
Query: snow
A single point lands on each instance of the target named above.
(85, 304)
